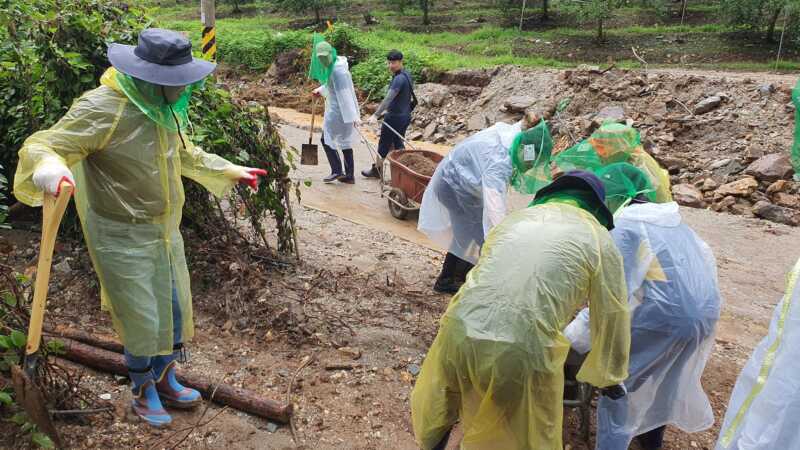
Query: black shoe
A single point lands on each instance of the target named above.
(347, 180)
(446, 286)
(332, 177)
(372, 172)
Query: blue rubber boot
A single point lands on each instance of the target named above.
(146, 403)
(173, 393)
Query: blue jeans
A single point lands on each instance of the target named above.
(142, 362)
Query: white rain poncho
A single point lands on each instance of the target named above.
(497, 362)
(675, 301)
(764, 410)
(467, 195)
(341, 107)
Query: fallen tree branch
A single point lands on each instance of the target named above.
(241, 399)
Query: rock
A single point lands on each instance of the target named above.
(772, 167)
(480, 78)
(519, 103)
(430, 130)
(432, 94)
(719, 164)
(787, 200)
(63, 267)
(739, 188)
(686, 194)
(723, 204)
(707, 105)
(609, 114)
(775, 213)
(413, 369)
(672, 164)
(286, 65)
(272, 427)
(766, 89)
(352, 352)
(476, 122)
(415, 135)
(105, 396)
(753, 152)
(742, 208)
(709, 185)
(730, 167)
(778, 186)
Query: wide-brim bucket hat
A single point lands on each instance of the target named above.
(162, 57)
(580, 179)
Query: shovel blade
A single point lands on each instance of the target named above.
(308, 155)
(32, 401)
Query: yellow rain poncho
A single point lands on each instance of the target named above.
(497, 363)
(129, 198)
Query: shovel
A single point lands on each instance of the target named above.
(308, 155)
(27, 392)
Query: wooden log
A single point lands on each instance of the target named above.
(104, 342)
(241, 399)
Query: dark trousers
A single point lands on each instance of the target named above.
(336, 163)
(388, 140)
(653, 439)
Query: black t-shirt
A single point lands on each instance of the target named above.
(401, 105)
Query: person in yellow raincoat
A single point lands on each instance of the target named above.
(497, 363)
(125, 144)
(615, 143)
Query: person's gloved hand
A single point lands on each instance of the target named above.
(318, 91)
(49, 176)
(373, 119)
(246, 175)
(615, 392)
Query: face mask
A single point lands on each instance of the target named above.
(172, 93)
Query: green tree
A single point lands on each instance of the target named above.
(236, 4)
(424, 5)
(597, 12)
(757, 15)
(302, 6)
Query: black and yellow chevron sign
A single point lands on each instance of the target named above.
(209, 43)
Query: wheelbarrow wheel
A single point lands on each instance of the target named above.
(396, 211)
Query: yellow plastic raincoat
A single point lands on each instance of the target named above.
(497, 362)
(129, 198)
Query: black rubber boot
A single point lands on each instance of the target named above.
(349, 167)
(372, 172)
(653, 439)
(447, 283)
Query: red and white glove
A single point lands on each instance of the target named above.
(246, 175)
(50, 175)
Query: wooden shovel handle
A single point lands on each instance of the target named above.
(52, 212)
(313, 109)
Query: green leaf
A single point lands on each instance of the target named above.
(42, 440)
(5, 398)
(5, 343)
(9, 299)
(307, 183)
(19, 419)
(55, 347)
(18, 339)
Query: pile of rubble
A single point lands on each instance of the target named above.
(725, 142)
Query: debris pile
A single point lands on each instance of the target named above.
(725, 142)
(418, 163)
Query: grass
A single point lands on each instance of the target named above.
(244, 38)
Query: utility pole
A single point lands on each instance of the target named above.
(209, 41)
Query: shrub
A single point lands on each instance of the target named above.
(257, 50)
(50, 52)
(372, 76)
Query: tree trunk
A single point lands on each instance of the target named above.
(600, 29)
(545, 8)
(236, 9)
(223, 394)
(683, 10)
(316, 13)
(425, 6)
(771, 30)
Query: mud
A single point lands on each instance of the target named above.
(418, 163)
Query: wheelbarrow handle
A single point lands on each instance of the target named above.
(403, 138)
(53, 209)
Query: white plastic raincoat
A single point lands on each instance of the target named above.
(467, 194)
(341, 107)
(129, 197)
(672, 283)
(497, 362)
(764, 410)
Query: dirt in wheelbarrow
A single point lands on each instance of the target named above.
(418, 162)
